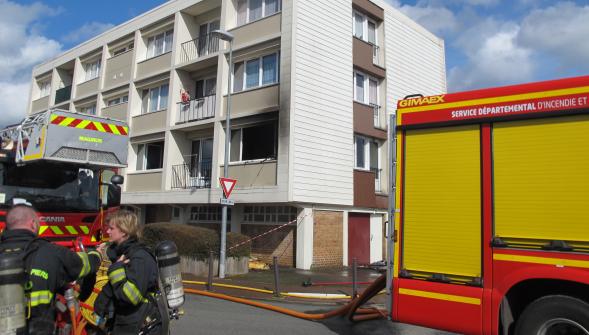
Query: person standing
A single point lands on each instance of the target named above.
(49, 267)
(133, 280)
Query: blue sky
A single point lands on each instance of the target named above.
(488, 42)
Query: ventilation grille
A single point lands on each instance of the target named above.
(93, 156)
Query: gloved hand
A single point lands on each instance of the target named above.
(100, 321)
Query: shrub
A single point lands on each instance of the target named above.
(243, 250)
(194, 241)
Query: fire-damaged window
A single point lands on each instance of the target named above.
(150, 156)
(254, 142)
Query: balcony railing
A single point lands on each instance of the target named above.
(376, 114)
(63, 94)
(197, 109)
(186, 176)
(199, 47)
(376, 55)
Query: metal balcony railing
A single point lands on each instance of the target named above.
(186, 176)
(376, 115)
(197, 109)
(376, 55)
(63, 94)
(199, 47)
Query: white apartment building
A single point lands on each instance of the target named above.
(313, 84)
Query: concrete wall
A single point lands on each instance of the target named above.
(87, 88)
(150, 180)
(253, 174)
(256, 100)
(40, 104)
(118, 112)
(118, 70)
(154, 65)
(257, 31)
(148, 122)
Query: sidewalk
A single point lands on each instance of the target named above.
(291, 280)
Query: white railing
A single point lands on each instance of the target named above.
(197, 109)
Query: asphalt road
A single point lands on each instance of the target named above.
(211, 316)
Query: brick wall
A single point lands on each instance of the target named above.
(279, 243)
(327, 239)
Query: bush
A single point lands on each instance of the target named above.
(193, 241)
(243, 250)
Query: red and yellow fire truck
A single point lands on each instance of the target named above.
(64, 164)
(492, 210)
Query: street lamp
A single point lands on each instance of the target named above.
(225, 36)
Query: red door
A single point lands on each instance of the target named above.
(359, 238)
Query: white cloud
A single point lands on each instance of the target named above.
(559, 31)
(433, 17)
(21, 47)
(87, 31)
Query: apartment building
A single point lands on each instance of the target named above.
(313, 83)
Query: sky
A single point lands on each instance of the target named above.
(488, 42)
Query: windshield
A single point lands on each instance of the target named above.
(50, 187)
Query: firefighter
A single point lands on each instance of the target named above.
(133, 280)
(48, 267)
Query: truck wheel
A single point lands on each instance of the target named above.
(554, 315)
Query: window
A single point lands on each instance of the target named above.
(365, 88)
(123, 49)
(252, 10)
(155, 99)
(118, 100)
(269, 214)
(88, 109)
(159, 44)
(367, 153)
(255, 72)
(92, 70)
(150, 156)
(206, 213)
(44, 88)
(364, 28)
(255, 142)
(205, 88)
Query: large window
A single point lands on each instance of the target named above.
(269, 214)
(90, 109)
(159, 44)
(207, 214)
(92, 70)
(255, 72)
(205, 88)
(366, 153)
(44, 88)
(255, 142)
(364, 28)
(150, 156)
(252, 10)
(155, 99)
(365, 88)
(118, 100)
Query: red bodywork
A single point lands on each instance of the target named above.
(475, 309)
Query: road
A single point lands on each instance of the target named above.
(211, 316)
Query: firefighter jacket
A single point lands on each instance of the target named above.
(130, 288)
(49, 267)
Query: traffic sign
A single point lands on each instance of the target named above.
(227, 185)
(227, 202)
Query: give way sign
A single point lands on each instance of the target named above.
(227, 185)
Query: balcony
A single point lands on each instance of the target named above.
(185, 176)
(197, 109)
(63, 94)
(199, 47)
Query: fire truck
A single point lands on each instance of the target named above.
(491, 210)
(65, 165)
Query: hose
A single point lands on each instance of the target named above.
(350, 309)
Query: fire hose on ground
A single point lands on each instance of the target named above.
(352, 309)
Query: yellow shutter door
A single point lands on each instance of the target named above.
(541, 178)
(442, 201)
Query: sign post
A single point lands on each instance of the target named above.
(227, 184)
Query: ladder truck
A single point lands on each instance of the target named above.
(490, 205)
(65, 165)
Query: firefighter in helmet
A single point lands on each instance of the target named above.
(133, 280)
(48, 267)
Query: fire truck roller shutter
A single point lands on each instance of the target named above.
(442, 201)
(541, 180)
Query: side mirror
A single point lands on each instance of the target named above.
(117, 179)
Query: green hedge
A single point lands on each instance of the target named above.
(194, 241)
